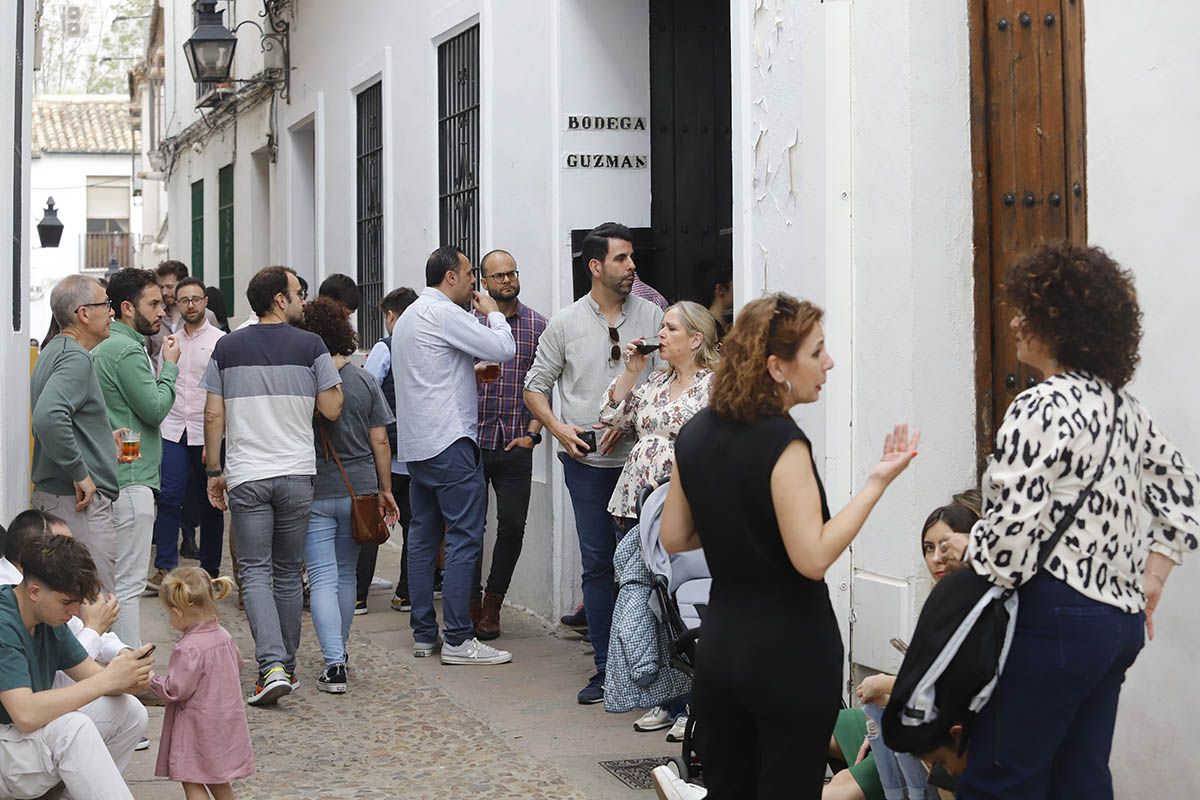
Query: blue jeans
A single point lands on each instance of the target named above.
(1047, 730)
(448, 494)
(332, 558)
(902, 775)
(590, 489)
(182, 473)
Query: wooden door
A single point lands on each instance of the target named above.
(1028, 154)
(691, 145)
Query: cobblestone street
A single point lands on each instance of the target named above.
(416, 729)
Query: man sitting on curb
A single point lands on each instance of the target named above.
(80, 735)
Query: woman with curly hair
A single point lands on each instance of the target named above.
(1047, 731)
(360, 441)
(745, 488)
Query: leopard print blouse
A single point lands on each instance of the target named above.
(1047, 450)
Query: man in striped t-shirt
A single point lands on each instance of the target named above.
(263, 383)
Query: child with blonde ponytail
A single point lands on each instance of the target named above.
(205, 739)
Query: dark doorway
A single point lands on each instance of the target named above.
(691, 147)
(1028, 154)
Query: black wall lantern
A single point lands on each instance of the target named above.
(209, 51)
(50, 229)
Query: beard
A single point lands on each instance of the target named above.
(506, 294)
(144, 325)
(618, 283)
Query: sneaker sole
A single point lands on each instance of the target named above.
(359, 612)
(652, 729)
(270, 694)
(427, 652)
(332, 688)
(483, 662)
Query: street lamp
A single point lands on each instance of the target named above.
(209, 51)
(50, 229)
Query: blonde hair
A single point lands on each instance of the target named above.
(191, 590)
(698, 319)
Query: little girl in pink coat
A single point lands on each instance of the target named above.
(205, 739)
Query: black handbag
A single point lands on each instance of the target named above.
(960, 644)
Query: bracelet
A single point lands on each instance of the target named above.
(214, 473)
(1161, 580)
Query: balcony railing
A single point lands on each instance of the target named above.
(101, 249)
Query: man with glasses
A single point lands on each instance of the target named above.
(74, 453)
(183, 440)
(507, 436)
(264, 383)
(581, 352)
(138, 400)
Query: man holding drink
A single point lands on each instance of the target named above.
(137, 401)
(507, 435)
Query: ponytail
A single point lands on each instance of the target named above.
(190, 588)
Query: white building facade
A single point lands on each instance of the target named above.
(856, 133)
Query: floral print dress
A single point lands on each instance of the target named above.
(650, 412)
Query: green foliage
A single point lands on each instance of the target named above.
(84, 52)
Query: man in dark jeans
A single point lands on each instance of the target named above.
(379, 364)
(507, 435)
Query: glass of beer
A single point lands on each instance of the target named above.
(489, 371)
(131, 446)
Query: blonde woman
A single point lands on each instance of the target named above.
(656, 410)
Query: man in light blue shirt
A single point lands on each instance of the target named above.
(434, 348)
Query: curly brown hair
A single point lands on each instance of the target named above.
(327, 319)
(61, 564)
(775, 325)
(1082, 305)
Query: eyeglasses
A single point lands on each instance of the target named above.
(615, 338)
(189, 301)
(504, 277)
(107, 304)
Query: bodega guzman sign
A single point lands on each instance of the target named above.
(598, 157)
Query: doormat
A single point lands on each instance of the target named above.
(635, 772)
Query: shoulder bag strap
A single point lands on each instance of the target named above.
(330, 450)
(1069, 517)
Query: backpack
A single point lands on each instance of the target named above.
(960, 644)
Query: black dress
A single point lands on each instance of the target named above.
(769, 658)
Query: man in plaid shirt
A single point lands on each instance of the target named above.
(507, 435)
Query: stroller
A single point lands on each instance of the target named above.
(681, 586)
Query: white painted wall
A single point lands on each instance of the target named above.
(64, 176)
(853, 123)
(1143, 119)
(14, 339)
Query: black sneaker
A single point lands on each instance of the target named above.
(333, 679)
(189, 550)
(437, 585)
(576, 620)
(360, 607)
(594, 691)
(401, 603)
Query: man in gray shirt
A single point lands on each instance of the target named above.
(580, 350)
(74, 454)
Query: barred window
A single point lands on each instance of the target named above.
(458, 142)
(370, 213)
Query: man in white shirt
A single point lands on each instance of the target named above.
(434, 348)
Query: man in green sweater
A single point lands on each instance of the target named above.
(140, 401)
(74, 454)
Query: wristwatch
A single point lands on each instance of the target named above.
(214, 473)
(536, 438)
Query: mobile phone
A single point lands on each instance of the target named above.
(900, 645)
(589, 439)
(150, 652)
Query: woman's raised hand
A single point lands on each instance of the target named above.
(899, 449)
(635, 362)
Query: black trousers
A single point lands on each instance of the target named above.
(765, 698)
(368, 553)
(509, 473)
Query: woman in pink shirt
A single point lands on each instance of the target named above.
(205, 739)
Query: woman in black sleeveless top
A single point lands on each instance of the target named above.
(746, 489)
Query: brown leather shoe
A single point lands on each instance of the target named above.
(488, 626)
(475, 611)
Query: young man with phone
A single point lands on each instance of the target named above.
(580, 351)
(82, 734)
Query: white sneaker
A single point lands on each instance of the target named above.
(655, 719)
(670, 786)
(381, 583)
(426, 649)
(676, 732)
(473, 651)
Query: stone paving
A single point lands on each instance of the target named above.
(412, 729)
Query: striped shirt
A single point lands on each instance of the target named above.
(502, 412)
(648, 292)
(269, 377)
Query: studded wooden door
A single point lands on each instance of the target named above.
(1028, 154)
